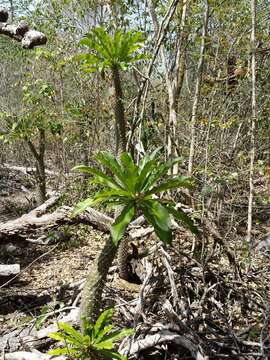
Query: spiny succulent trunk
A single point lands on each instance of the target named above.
(96, 278)
(119, 111)
(93, 288)
(121, 140)
(123, 264)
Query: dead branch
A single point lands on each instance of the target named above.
(164, 336)
(165, 257)
(26, 170)
(140, 306)
(34, 355)
(38, 220)
(21, 32)
(10, 269)
(31, 338)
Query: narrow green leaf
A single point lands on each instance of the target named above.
(106, 345)
(87, 328)
(112, 355)
(56, 336)
(160, 171)
(102, 320)
(83, 205)
(119, 226)
(107, 180)
(103, 42)
(68, 329)
(145, 174)
(59, 351)
(116, 43)
(109, 193)
(86, 41)
(116, 201)
(147, 166)
(102, 333)
(149, 157)
(108, 160)
(177, 182)
(158, 216)
(184, 218)
(118, 334)
(64, 337)
(130, 170)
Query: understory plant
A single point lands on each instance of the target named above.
(96, 341)
(134, 188)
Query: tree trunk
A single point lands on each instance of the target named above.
(40, 166)
(41, 181)
(173, 82)
(252, 127)
(197, 92)
(122, 141)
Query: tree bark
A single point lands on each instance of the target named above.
(9, 269)
(40, 166)
(121, 140)
(38, 220)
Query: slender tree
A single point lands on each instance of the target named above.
(197, 90)
(252, 123)
(174, 76)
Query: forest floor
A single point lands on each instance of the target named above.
(45, 267)
(46, 270)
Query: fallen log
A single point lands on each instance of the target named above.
(38, 220)
(161, 337)
(26, 170)
(35, 355)
(10, 269)
(34, 222)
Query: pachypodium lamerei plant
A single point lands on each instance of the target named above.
(134, 188)
(97, 341)
(115, 52)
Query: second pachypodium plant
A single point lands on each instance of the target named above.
(134, 188)
(114, 52)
